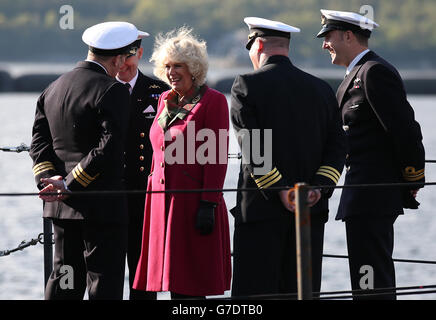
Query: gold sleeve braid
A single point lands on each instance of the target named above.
(42, 167)
(82, 177)
(330, 173)
(268, 180)
(411, 174)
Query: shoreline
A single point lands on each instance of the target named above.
(35, 76)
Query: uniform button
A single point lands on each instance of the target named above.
(348, 168)
(141, 146)
(142, 134)
(346, 128)
(162, 148)
(161, 181)
(141, 158)
(347, 156)
(141, 169)
(162, 164)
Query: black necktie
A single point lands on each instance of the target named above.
(127, 86)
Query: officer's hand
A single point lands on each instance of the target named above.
(409, 199)
(205, 217)
(288, 199)
(54, 184)
(313, 197)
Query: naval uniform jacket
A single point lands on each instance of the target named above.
(384, 142)
(307, 139)
(138, 153)
(78, 133)
(143, 108)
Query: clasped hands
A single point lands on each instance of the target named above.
(288, 198)
(53, 185)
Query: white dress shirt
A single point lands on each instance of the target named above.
(355, 61)
(131, 82)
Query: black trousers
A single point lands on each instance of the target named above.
(87, 254)
(264, 256)
(370, 243)
(136, 220)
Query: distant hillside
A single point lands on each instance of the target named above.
(30, 28)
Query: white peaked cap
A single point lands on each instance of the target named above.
(112, 35)
(350, 17)
(260, 27)
(343, 20)
(254, 23)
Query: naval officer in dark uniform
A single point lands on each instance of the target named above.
(296, 117)
(384, 145)
(77, 145)
(145, 93)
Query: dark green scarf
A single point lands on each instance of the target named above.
(177, 107)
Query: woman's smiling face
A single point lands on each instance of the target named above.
(179, 76)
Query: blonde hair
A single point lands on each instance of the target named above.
(180, 45)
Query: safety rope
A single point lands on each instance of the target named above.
(22, 147)
(23, 245)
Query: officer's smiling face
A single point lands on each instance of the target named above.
(128, 70)
(335, 44)
(179, 76)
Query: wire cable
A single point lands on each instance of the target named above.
(115, 192)
(395, 260)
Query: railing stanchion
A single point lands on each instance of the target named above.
(48, 250)
(304, 252)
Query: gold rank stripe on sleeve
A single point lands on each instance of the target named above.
(82, 177)
(330, 173)
(411, 174)
(269, 179)
(43, 166)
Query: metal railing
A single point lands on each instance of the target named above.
(303, 239)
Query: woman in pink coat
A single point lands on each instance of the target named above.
(186, 242)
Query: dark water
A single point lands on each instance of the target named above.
(21, 273)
